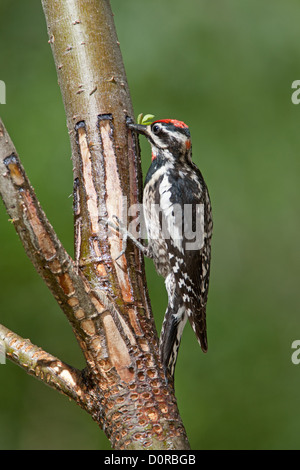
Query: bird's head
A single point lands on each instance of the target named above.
(169, 139)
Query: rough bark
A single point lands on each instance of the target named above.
(123, 386)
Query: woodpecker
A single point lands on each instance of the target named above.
(178, 219)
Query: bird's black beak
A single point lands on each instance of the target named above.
(138, 128)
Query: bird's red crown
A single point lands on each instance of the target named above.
(175, 123)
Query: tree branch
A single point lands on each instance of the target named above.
(72, 292)
(106, 300)
(45, 367)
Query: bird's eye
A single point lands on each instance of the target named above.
(156, 129)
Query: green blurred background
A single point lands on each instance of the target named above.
(226, 68)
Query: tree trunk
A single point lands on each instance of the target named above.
(123, 386)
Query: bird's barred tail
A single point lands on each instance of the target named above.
(170, 337)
